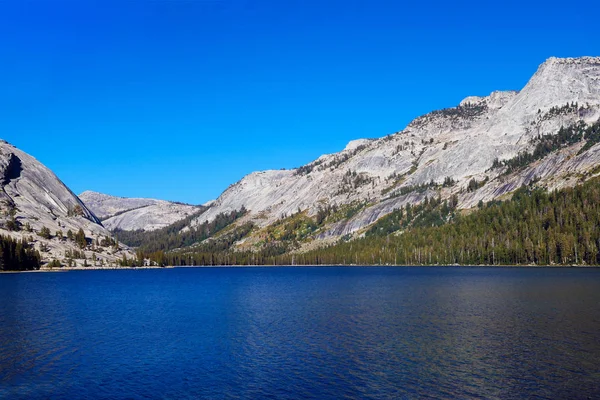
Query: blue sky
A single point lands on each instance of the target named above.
(177, 99)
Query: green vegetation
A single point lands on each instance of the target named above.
(414, 188)
(546, 144)
(277, 239)
(175, 236)
(337, 161)
(307, 169)
(18, 255)
(467, 111)
(44, 233)
(226, 240)
(432, 212)
(219, 236)
(569, 108)
(76, 211)
(474, 184)
(75, 254)
(591, 136)
(342, 158)
(448, 182)
(294, 228)
(80, 239)
(332, 213)
(107, 241)
(422, 188)
(395, 180)
(13, 225)
(288, 233)
(534, 227)
(353, 180)
(206, 252)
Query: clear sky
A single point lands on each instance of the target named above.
(177, 99)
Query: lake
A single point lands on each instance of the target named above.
(301, 332)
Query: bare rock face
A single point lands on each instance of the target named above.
(34, 188)
(459, 143)
(437, 154)
(105, 206)
(32, 198)
(131, 214)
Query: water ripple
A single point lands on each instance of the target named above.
(312, 333)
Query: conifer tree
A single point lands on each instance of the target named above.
(80, 239)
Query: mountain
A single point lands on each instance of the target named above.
(37, 208)
(469, 142)
(455, 160)
(441, 168)
(131, 214)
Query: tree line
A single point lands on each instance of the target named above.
(18, 255)
(178, 235)
(535, 227)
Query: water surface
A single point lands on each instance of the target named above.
(301, 333)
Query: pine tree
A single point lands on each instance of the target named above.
(44, 233)
(80, 239)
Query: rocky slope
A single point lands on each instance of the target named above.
(455, 146)
(34, 200)
(131, 214)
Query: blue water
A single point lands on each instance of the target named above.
(301, 333)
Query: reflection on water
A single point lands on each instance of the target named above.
(301, 333)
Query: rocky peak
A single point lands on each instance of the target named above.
(25, 180)
(33, 200)
(354, 144)
(559, 81)
(494, 101)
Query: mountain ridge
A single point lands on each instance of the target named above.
(131, 214)
(547, 136)
(481, 151)
(459, 143)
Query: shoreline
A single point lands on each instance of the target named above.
(66, 269)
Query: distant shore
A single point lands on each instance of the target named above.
(67, 269)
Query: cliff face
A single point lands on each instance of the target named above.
(32, 197)
(34, 189)
(131, 214)
(456, 145)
